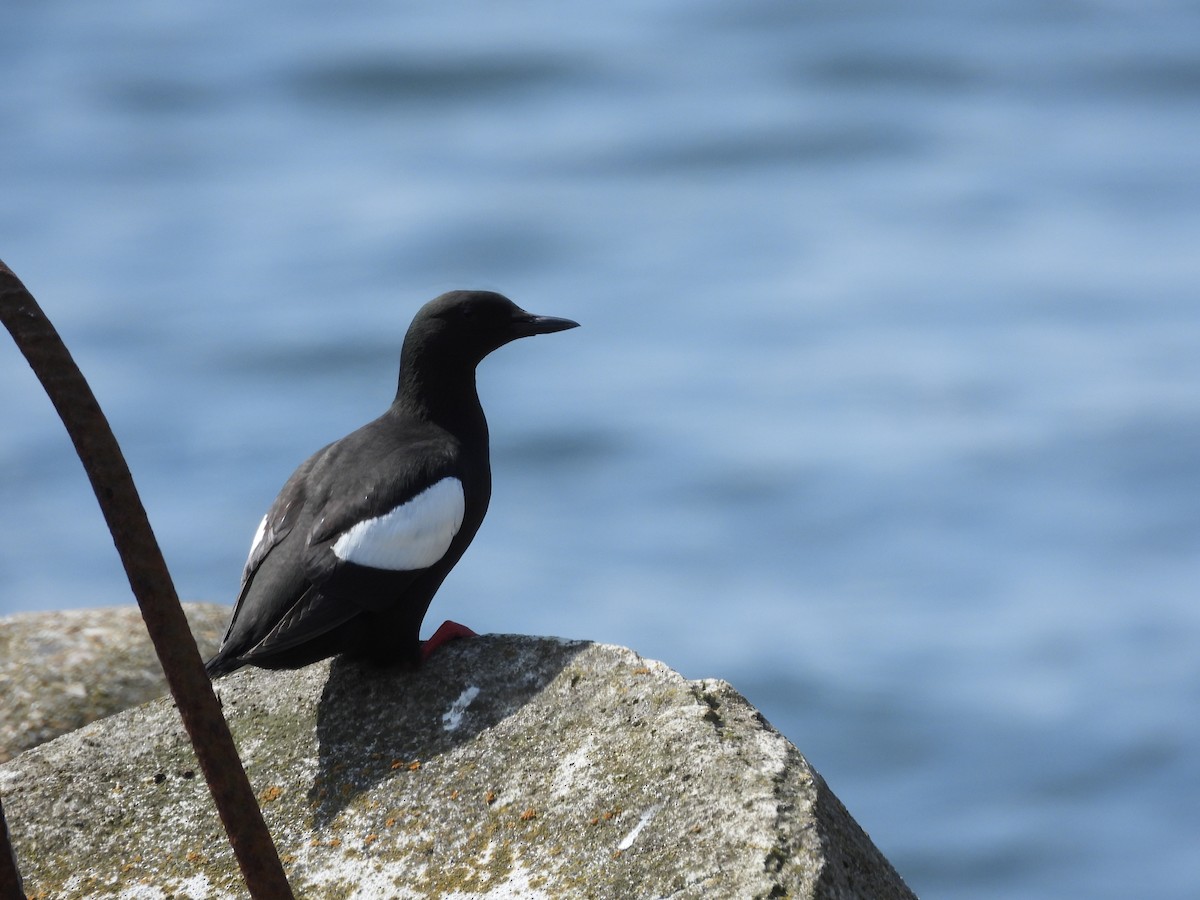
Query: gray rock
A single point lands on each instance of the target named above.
(61, 670)
(506, 767)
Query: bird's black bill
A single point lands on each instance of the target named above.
(529, 324)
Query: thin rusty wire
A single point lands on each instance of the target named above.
(152, 586)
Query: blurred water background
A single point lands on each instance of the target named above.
(885, 408)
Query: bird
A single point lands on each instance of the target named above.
(361, 536)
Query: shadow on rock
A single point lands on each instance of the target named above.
(374, 724)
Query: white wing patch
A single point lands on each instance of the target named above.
(414, 535)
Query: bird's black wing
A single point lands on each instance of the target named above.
(276, 525)
(414, 495)
(295, 588)
(309, 617)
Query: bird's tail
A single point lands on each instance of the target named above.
(222, 664)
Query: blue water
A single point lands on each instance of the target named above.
(886, 407)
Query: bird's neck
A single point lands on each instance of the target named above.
(445, 396)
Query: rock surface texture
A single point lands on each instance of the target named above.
(61, 670)
(506, 767)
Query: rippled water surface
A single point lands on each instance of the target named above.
(886, 407)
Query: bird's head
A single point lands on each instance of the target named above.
(465, 326)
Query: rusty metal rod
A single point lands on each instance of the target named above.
(152, 586)
(10, 875)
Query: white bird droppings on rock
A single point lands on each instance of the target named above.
(452, 717)
(627, 841)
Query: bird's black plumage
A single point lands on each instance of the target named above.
(361, 536)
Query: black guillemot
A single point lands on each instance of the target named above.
(353, 549)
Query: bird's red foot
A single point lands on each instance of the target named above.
(448, 631)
